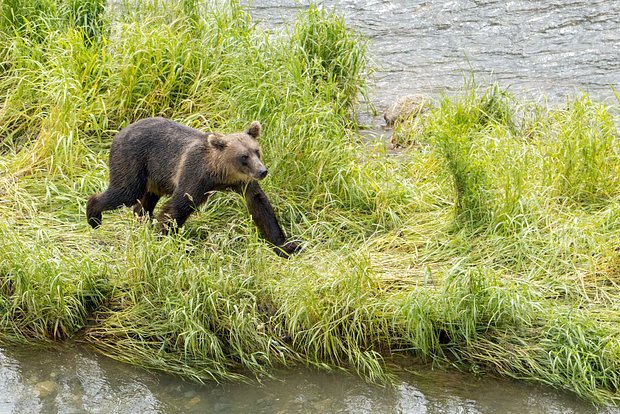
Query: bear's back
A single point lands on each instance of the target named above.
(154, 139)
(156, 132)
(154, 148)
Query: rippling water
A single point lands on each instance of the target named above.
(544, 47)
(70, 379)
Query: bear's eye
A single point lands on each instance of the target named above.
(244, 159)
(257, 153)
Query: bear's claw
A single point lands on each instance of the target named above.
(287, 249)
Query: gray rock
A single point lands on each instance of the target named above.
(46, 388)
(192, 403)
(406, 107)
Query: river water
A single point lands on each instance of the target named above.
(70, 379)
(550, 48)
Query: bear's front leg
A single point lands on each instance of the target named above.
(182, 203)
(265, 219)
(146, 205)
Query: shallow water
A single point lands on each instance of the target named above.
(70, 379)
(545, 47)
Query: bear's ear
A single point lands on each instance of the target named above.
(216, 141)
(254, 130)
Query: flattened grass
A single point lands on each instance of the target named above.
(489, 244)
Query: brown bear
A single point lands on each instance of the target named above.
(155, 157)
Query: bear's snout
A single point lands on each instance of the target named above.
(262, 174)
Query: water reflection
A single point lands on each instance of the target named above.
(70, 379)
(15, 395)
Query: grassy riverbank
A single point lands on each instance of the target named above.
(490, 243)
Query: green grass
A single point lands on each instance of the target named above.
(490, 243)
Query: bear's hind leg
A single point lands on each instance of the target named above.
(110, 199)
(93, 212)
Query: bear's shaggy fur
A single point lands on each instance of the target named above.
(155, 157)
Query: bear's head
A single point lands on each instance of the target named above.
(238, 157)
